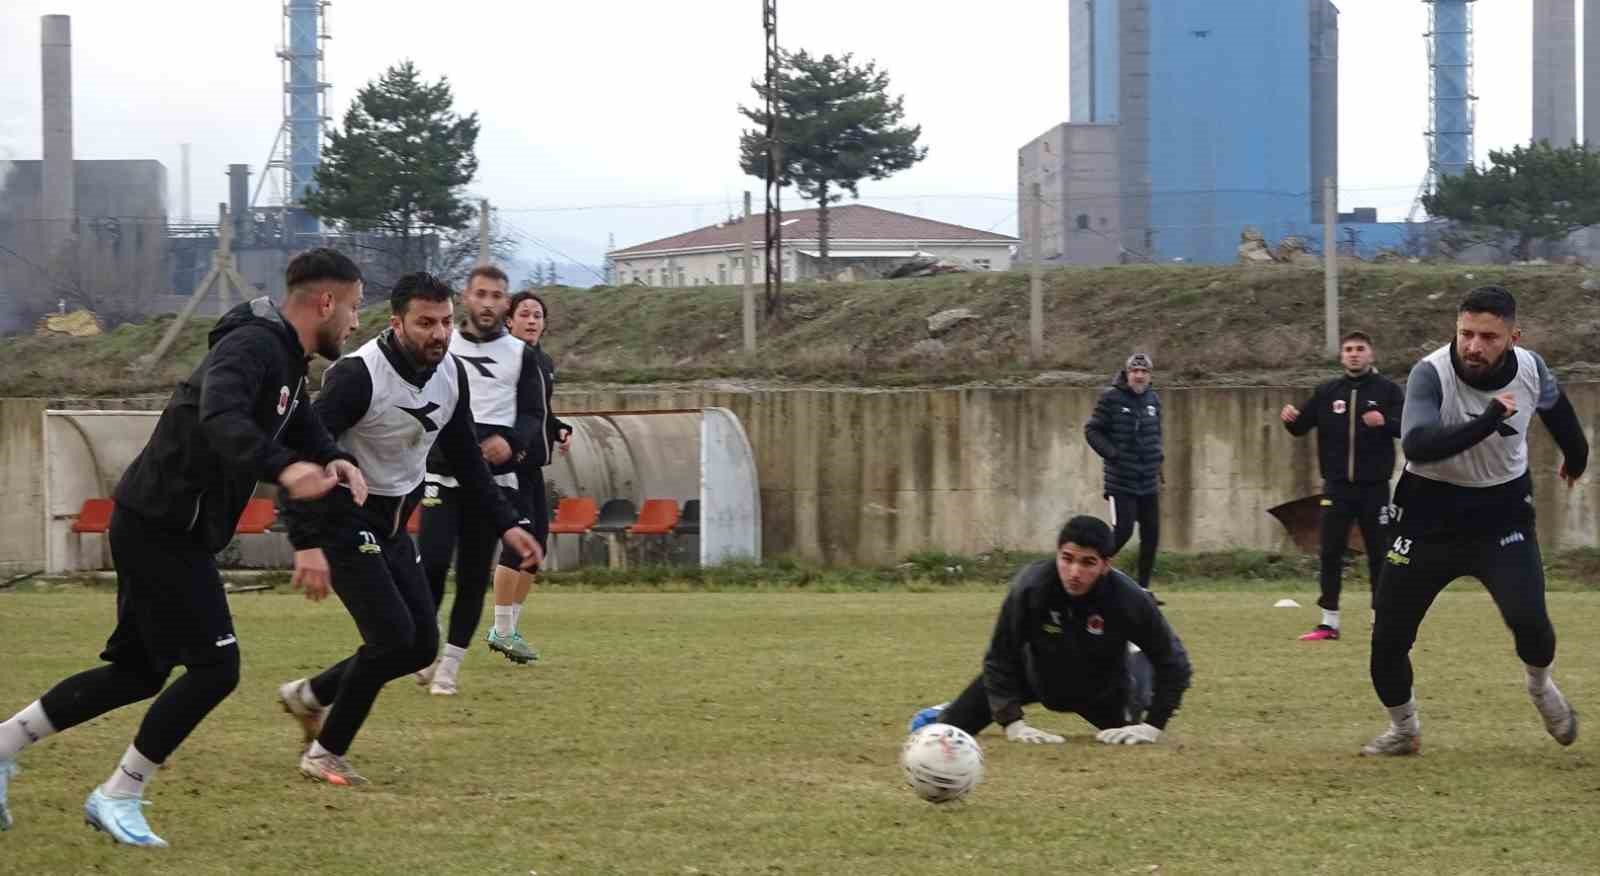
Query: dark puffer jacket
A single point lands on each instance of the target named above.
(1126, 431)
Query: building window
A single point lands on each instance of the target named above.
(738, 262)
(649, 276)
(981, 264)
(722, 274)
(1083, 221)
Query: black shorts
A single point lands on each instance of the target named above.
(171, 608)
(532, 503)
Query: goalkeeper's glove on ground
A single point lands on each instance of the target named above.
(1133, 734)
(1019, 731)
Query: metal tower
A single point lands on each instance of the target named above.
(297, 149)
(1450, 97)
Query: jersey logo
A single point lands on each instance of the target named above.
(283, 400)
(1096, 625)
(428, 425)
(1512, 539)
(1338, 406)
(1504, 429)
(481, 363)
(369, 543)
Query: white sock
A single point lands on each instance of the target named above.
(316, 750)
(1404, 718)
(128, 779)
(504, 621)
(451, 661)
(24, 729)
(1330, 618)
(1539, 680)
(516, 616)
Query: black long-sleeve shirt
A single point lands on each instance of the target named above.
(242, 416)
(1070, 652)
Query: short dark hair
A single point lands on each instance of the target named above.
(322, 263)
(527, 295)
(1496, 300)
(421, 285)
(1088, 532)
(1356, 335)
(489, 271)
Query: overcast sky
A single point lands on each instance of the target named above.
(607, 103)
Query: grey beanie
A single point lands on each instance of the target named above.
(1140, 360)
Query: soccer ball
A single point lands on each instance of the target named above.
(941, 763)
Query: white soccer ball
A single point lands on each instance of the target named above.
(941, 763)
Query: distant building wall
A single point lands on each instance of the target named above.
(1230, 124)
(1078, 171)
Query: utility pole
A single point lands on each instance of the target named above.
(224, 273)
(483, 231)
(1035, 277)
(749, 281)
(774, 214)
(1330, 265)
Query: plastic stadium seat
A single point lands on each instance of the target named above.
(616, 515)
(258, 517)
(574, 516)
(94, 516)
(657, 517)
(689, 520)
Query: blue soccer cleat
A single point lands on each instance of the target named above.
(927, 716)
(121, 818)
(8, 768)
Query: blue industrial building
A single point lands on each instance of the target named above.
(1207, 117)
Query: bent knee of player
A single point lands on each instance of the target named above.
(424, 647)
(218, 675)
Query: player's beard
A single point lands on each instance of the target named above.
(330, 341)
(426, 354)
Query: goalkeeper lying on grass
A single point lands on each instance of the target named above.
(1075, 636)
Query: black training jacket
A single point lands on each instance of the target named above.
(541, 453)
(1072, 652)
(242, 416)
(1350, 451)
(1126, 431)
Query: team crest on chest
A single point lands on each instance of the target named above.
(1339, 406)
(1096, 625)
(283, 400)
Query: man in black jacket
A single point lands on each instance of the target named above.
(1063, 640)
(389, 403)
(1357, 418)
(1125, 430)
(243, 416)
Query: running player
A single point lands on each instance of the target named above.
(243, 416)
(388, 404)
(1464, 506)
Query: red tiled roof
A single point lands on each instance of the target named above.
(845, 222)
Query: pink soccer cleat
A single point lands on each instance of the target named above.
(1323, 632)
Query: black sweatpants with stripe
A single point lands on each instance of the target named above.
(380, 583)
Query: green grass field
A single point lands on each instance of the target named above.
(759, 732)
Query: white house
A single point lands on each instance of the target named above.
(863, 242)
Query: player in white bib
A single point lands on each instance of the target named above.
(1464, 507)
(507, 400)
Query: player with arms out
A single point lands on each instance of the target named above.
(387, 404)
(1464, 506)
(1062, 640)
(242, 416)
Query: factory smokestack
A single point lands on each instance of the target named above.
(1591, 72)
(1555, 71)
(60, 200)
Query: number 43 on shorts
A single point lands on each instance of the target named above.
(1399, 555)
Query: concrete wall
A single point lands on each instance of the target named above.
(871, 476)
(22, 485)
